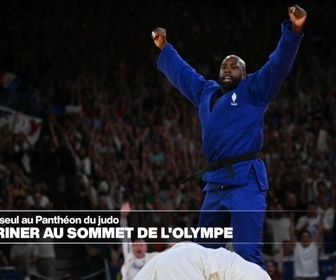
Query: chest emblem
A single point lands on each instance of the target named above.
(234, 99)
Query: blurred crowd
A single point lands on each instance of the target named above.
(135, 135)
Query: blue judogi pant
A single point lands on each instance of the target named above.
(240, 207)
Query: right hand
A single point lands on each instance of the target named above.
(159, 37)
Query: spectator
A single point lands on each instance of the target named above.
(326, 209)
(135, 254)
(96, 256)
(309, 221)
(37, 199)
(18, 190)
(294, 204)
(280, 227)
(306, 252)
(332, 277)
(3, 259)
(24, 257)
(273, 271)
(46, 263)
(285, 255)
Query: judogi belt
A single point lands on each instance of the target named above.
(227, 163)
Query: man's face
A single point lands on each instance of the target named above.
(139, 249)
(312, 210)
(305, 239)
(232, 71)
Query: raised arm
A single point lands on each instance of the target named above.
(319, 234)
(292, 228)
(126, 242)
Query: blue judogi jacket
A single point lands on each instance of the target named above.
(235, 124)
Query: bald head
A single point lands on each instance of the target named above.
(240, 62)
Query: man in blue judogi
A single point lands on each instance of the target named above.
(231, 113)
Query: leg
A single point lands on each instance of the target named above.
(247, 235)
(213, 215)
(247, 207)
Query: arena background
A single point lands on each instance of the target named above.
(81, 77)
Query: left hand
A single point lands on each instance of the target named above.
(298, 17)
(125, 209)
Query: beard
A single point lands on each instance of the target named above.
(230, 85)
